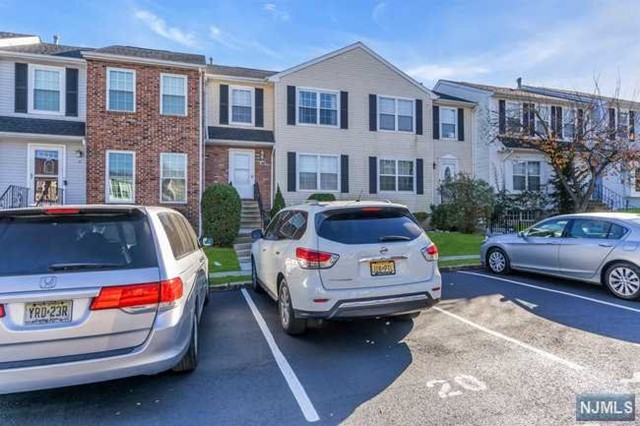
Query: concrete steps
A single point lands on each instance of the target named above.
(250, 220)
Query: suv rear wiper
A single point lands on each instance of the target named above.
(394, 238)
(79, 266)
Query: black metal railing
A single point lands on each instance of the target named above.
(51, 197)
(608, 197)
(14, 197)
(511, 221)
(264, 215)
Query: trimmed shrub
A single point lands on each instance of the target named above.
(421, 217)
(322, 197)
(278, 203)
(443, 217)
(221, 209)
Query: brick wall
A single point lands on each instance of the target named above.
(217, 168)
(144, 131)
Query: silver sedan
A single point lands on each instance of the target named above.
(599, 248)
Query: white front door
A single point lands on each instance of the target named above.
(448, 168)
(242, 172)
(46, 174)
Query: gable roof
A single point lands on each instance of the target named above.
(239, 71)
(150, 54)
(47, 49)
(354, 46)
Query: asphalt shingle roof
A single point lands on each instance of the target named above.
(239, 71)
(451, 98)
(7, 34)
(47, 49)
(161, 55)
(41, 126)
(230, 133)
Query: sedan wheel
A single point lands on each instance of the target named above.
(623, 280)
(498, 261)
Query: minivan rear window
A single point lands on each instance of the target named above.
(367, 226)
(41, 244)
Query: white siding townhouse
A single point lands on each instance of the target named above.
(42, 122)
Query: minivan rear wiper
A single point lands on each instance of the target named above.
(394, 238)
(80, 266)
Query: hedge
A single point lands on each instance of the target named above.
(221, 210)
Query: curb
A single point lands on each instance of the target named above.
(460, 268)
(229, 286)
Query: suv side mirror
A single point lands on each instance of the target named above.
(257, 235)
(206, 242)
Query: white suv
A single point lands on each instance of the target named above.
(341, 260)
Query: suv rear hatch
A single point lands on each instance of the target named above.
(56, 265)
(378, 246)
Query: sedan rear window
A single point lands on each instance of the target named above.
(368, 226)
(40, 244)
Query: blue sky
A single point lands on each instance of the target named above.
(564, 44)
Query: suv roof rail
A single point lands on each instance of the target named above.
(312, 202)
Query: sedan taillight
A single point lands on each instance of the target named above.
(312, 259)
(138, 295)
(430, 252)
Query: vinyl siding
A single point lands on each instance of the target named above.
(360, 74)
(212, 103)
(7, 82)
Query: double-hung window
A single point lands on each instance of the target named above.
(448, 123)
(48, 86)
(395, 114)
(526, 176)
(396, 175)
(121, 93)
(120, 176)
(173, 178)
(173, 91)
(241, 105)
(569, 124)
(317, 107)
(318, 172)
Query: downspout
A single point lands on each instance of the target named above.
(201, 152)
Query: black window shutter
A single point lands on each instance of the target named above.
(460, 124)
(21, 88)
(373, 113)
(632, 125)
(502, 117)
(344, 110)
(291, 105)
(259, 94)
(436, 122)
(419, 176)
(71, 87)
(526, 124)
(344, 173)
(554, 120)
(580, 123)
(559, 122)
(419, 116)
(373, 175)
(291, 171)
(224, 104)
(612, 123)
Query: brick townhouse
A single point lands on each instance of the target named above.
(144, 128)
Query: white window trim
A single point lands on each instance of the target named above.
(526, 176)
(455, 136)
(109, 69)
(318, 188)
(186, 177)
(318, 92)
(396, 98)
(253, 105)
(186, 90)
(379, 171)
(106, 178)
(32, 87)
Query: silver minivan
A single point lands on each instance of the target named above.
(93, 293)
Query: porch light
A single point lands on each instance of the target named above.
(79, 153)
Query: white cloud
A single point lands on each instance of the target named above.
(378, 12)
(232, 42)
(160, 27)
(276, 13)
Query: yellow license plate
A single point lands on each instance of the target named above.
(386, 267)
(56, 311)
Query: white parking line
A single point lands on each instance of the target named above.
(602, 302)
(308, 410)
(542, 352)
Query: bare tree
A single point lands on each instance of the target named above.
(583, 136)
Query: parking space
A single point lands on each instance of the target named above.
(495, 351)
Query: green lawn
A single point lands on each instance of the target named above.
(225, 280)
(226, 257)
(456, 243)
(463, 262)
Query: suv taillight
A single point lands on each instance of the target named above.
(138, 295)
(430, 252)
(2, 312)
(312, 259)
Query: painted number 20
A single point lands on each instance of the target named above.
(465, 381)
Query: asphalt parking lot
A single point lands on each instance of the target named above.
(512, 350)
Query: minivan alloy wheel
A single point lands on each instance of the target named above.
(497, 261)
(624, 281)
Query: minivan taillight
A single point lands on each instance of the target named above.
(312, 259)
(430, 252)
(137, 295)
